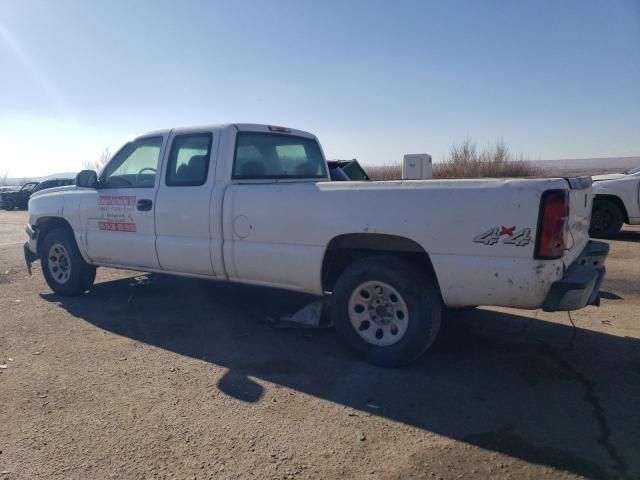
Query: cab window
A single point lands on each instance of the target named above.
(134, 166)
(276, 156)
(189, 160)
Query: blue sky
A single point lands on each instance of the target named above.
(373, 79)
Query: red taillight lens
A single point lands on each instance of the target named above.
(554, 214)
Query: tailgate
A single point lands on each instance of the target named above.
(580, 202)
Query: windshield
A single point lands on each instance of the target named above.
(634, 171)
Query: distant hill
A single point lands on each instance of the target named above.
(23, 180)
(589, 166)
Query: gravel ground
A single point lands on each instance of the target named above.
(158, 377)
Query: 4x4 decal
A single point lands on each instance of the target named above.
(509, 235)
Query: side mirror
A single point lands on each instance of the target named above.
(87, 179)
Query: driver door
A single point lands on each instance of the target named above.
(118, 217)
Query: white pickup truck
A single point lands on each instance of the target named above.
(617, 201)
(255, 204)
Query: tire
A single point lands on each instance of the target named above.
(9, 204)
(63, 267)
(606, 219)
(376, 294)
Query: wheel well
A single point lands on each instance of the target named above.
(344, 250)
(46, 224)
(618, 203)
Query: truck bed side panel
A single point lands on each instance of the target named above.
(479, 234)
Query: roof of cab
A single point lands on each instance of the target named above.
(242, 127)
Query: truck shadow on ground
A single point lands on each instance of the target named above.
(531, 389)
(627, 236)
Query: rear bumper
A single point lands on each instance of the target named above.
(580, 284)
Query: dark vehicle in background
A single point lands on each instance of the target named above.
(20, 198)
(54, 182)
(346, 170)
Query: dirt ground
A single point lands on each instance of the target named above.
(157, 377)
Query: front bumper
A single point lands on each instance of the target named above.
(580, 284)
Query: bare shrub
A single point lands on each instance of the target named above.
(100, 162)
(465, 160)
(385, 172)
(3, 177)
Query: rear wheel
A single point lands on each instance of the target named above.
(606, 219)
(63, 267)
(9, 204)
(386, 310)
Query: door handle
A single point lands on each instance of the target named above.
(144, 205)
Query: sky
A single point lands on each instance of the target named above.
(372, 79)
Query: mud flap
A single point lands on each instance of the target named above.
(29, 256)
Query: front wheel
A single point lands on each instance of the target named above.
(386, 310)
(606, 219)
(9, 204)
(63, 267)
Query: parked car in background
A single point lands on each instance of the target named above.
(617, 201)
(20, 198)
(53, 183)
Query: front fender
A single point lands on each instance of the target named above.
(45, 207)
(47, 212)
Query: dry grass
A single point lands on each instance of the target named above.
(467, 161)
(385, 172)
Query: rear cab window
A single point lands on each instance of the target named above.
(261, 155)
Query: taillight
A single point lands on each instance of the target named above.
(554, 214)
